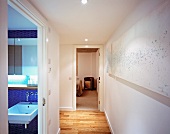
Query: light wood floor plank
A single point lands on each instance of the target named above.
(83, 122)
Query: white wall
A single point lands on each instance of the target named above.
(66, 89)
(3, 68)
(53, 81)
(86, 65)
(129, 111)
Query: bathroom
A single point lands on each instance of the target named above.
(22, 68)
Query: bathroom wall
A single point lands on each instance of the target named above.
(3, 68)
(26, 43)
(19, 95)
(140, 54)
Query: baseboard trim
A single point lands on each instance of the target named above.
(108, 121)
(58, 131)
(66, 109)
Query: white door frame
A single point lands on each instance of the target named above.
(26, 9)
(101, 74)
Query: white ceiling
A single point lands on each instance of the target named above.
(74, 21)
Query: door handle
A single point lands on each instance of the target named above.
(43, 102)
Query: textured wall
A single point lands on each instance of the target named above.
(144, 49)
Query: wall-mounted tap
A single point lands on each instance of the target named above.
(27, 95)
(35, 95)
(31, 93)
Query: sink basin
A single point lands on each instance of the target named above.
(22, 112)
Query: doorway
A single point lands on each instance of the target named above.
(22, 72)
(87, 70)
(100, 89)
(21, 7)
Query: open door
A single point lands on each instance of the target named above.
(97, 74)
(48, 68)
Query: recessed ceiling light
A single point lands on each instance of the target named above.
(84, 1)
(86, 40)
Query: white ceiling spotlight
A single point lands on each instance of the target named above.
(86, 40)
(84, 2)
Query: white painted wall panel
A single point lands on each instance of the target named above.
(66, 63)
(53, 81)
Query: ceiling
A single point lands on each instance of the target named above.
(97, 20)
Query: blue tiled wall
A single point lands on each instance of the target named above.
(15, 96)
(22, 33)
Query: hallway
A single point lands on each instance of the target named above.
(81, 122)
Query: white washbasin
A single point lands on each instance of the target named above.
(22, 113)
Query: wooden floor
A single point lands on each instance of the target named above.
(83, 122)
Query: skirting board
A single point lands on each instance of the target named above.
(66, 109)
(58, 131)
(154, 95)
(108, 121)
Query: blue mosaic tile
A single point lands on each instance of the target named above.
(22, 33)
(19, 95)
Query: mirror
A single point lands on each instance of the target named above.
(22, 56)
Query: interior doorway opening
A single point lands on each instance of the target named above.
(100, 83)
(22, 73)
(87, 74)
(21, 7)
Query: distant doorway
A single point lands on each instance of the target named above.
(87, 66)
